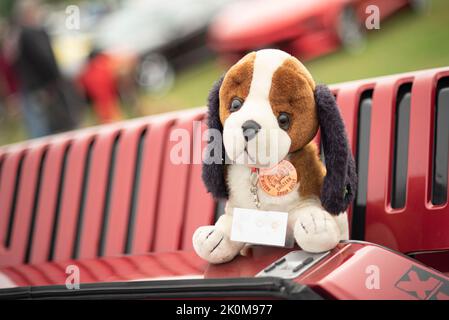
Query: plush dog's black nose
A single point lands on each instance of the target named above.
(250, 129)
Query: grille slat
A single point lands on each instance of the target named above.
(12, 212)
(401, 145)
(35, 206)
(79, 227)
(362, 155)
(107, 201)
(134, 194)
(58, 203)
(441, 144)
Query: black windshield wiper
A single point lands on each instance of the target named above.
(275, 288)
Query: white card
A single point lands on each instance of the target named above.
(259, 227)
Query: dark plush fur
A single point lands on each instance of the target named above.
(340, 182)
(214, 174)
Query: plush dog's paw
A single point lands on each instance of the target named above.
(214, 246)
(316, 230)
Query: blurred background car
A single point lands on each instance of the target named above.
(127, 46)
(137, 57)
(162, 36)
(305, 29)
(73, 45)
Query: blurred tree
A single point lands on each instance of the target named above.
(6, 8)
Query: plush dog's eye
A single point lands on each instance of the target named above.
(284, 120)
(236, 104)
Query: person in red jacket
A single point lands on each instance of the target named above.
(99, 81)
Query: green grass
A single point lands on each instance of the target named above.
(405, 42)
(11, 129)
(190, 89)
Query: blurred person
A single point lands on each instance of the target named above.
(8, 88)
(8, 80)
(49, 103)
(99, 80)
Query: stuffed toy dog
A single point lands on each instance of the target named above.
(269, 101)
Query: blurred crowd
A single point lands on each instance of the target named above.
(32, 85)
(50, 73)
(119, 49)
(31, 81)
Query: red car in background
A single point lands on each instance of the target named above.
(303, 28)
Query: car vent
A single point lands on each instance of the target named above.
(400, 154)
(362, 155)
(441, 144)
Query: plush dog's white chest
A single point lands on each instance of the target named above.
(239, 183)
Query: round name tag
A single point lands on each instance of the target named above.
(278, 180)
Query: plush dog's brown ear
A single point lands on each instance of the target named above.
(213, 173)
(340, 183)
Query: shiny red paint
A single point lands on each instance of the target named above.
(342, 275)
(346, 275)
(46, 206)
(17, 252)
(348, 98)
(174, 191)
(104, 199)
(171, 202)
(70, 201)
(170, 265)
(419, 226)
(306, 29)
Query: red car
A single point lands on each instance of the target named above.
(104, 213)
(306, 29)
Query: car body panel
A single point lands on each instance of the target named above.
(346, 273)
(148, 235)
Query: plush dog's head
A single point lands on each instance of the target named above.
(267, 106)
